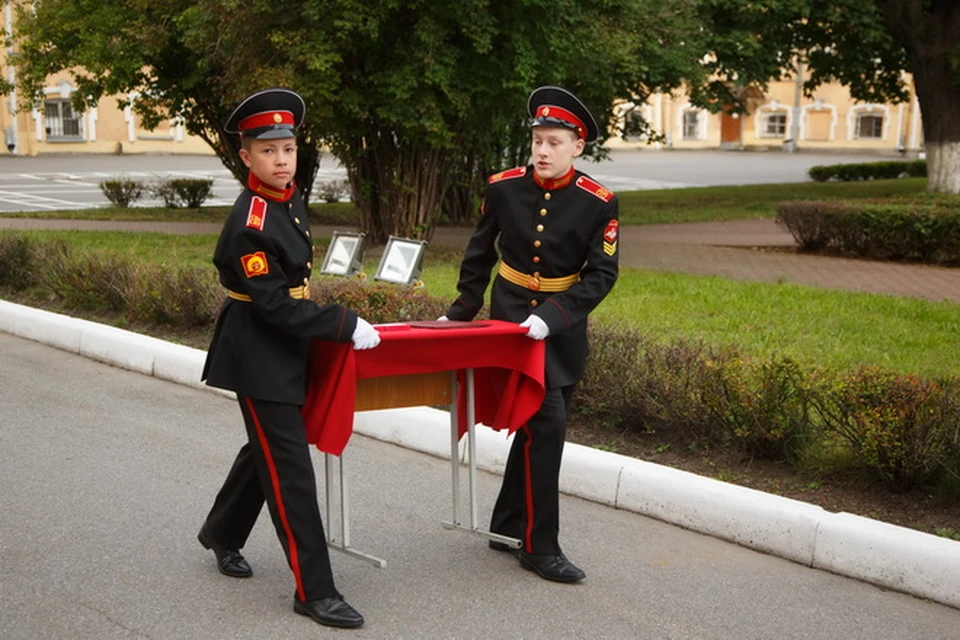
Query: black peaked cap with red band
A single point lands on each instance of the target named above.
(557, 107)
(267, 114)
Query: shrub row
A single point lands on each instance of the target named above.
(868, 171)
(923, 231)
(175, 192)
(902, 429)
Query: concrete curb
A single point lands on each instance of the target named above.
(886, 555)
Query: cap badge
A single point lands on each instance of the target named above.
(545, 111)
(277, 118)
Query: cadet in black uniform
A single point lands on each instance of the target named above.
(260, 350)
(554, 231)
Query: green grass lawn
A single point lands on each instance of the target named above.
(815, 326)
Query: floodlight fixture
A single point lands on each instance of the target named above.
(402, 261)
(344, 255)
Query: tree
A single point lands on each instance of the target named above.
(864, 44)
(417, 99)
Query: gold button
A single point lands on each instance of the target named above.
(539, 227)
(537, 243)
(297, 220)
(309, 265)
(306, 281)
(546, 196)
(536, 258)
(543, 212)
(533, 303)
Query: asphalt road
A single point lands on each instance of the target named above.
(107, 475)
(62, 182)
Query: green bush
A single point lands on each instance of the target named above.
(608, 390)
(379, 302)
(179, 298)
(868, 171)
(19, 264)
(758, 406)
(183, 192)
(123, 191)
(901, 427)
(925, 231)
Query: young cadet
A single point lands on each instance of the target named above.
(260, 350)
(554, 231)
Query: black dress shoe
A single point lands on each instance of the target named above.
(229, 561)
(550, 567)
(332, 612)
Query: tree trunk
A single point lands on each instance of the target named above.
(397, 187)
(929, 36)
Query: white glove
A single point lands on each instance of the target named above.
(443, 319)
(537, 328)
(364, 336)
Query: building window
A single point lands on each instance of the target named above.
(691, 125)
(870, 126)
(775, 125)
(61, 122)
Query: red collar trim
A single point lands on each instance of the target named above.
(554, 183)
(257, 186)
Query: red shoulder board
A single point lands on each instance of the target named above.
(257, 214)
(595, 188)
(516, 172)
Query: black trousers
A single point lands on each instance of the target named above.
(528, 506)
(275, 466)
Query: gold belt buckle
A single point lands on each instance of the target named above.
(533, 283)
(306, 292)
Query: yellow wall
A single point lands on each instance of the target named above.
(828, 121)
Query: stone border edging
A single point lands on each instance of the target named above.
(886, 555)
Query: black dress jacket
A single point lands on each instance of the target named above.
(261, 344)
(543, 229)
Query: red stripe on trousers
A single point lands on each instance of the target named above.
(281, 510)
(528, 482)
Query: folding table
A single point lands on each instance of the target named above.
(487, 372)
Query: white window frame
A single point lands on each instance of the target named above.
(763, 112)
(50, 132)
(701, 128)
(853, 121)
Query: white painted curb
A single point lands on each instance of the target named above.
(886, 555)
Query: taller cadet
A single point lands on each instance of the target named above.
(553, 230)
(260, 350)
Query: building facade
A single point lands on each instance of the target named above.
(56, 127)
(781, 118)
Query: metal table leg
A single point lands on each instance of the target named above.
(342, 542)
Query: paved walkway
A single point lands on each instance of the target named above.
(750, 250)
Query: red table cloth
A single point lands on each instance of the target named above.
(508, 379)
